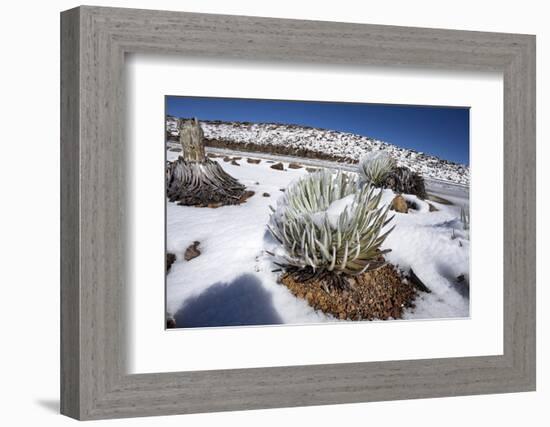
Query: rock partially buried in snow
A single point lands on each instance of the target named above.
(170, 259)
(278, 166)
(294, 166)
(266, 195)
(399, 204)
(253, 161)
(234, 163)
(192, 251)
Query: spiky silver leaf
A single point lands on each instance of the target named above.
(465, 219)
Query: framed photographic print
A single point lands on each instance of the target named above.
(292, 213)
(272, 192)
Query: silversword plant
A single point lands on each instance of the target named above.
(375, 167)
(327, 223)
(195, 180)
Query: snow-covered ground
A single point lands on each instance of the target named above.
(343, 145)
(232, 283)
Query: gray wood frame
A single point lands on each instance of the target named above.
(94, 383)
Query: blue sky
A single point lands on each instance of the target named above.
(440, 131)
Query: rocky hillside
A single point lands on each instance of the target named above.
(310, 142)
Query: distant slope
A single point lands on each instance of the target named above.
(310, 142)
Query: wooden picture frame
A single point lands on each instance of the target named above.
(94, 41)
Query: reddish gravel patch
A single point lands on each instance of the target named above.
(380, 294)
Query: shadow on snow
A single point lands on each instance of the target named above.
(241, 302)
(462, 287)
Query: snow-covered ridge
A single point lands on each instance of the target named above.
(329, 144)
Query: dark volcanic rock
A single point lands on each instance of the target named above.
(192, 251)
(170, 259)
(278, 166)
(294, 166)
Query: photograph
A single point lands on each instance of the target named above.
(314, 212)
(292, 212)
